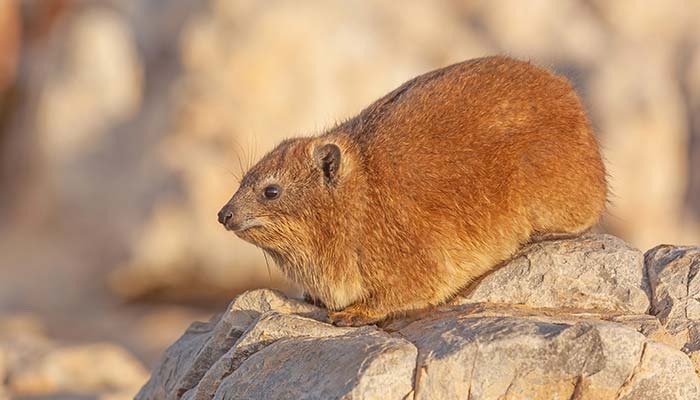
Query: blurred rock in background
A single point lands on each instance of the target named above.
(31, 364)
(85, 113)
(125, 125)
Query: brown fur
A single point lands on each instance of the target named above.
(437, 183)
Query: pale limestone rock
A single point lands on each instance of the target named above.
(686, 333)
(97, 85)
(650, 327)
(530, 357)
(566, 320)
(364, 364)
(78, 369)
(662, 373)
(271, 327)
(485, 351)
(195, 366)
(673, 277)
(188, 360)
(592, 272)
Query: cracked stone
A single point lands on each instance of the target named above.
(186, 361)
(598, 272)
(522, 357)
(362, 364)
(270, 327)
(673, 277)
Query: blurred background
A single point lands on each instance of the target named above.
(124, 123)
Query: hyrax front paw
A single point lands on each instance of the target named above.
(355, 315)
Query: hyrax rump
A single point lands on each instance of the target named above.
(426, 189)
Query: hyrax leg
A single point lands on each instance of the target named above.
(394, 295)
(358, 314)
(377, 309)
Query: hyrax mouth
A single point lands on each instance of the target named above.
(245, 225)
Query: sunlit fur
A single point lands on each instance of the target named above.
(440, 180)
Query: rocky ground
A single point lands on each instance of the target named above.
(587, 318)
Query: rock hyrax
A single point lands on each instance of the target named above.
(427, 189)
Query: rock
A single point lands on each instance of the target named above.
(662, 373)
(592, 341)
(525, 357)
(675, 284)
(22, 343)
(593, 272)
(271, 327)
(650, 327)
(213, 360)
(479, 350)
(187, 360)
(78, 369)
(97, 85)
(280, 347)
(364, 363)
(34, 366)
(673, 275)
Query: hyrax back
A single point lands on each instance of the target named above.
(427, 189)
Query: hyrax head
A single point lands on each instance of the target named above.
(283, 201)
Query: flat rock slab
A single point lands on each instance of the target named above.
(364, 364)
(462, 355)
(591, 272)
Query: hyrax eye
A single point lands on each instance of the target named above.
(271, 192)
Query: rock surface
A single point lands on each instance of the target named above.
(518, 334)
(673, 276)
(509, 356)
(594, 272)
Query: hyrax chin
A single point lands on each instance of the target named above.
(425, 190)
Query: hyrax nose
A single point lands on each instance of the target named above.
(225, 215)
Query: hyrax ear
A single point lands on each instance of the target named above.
(327, 158)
